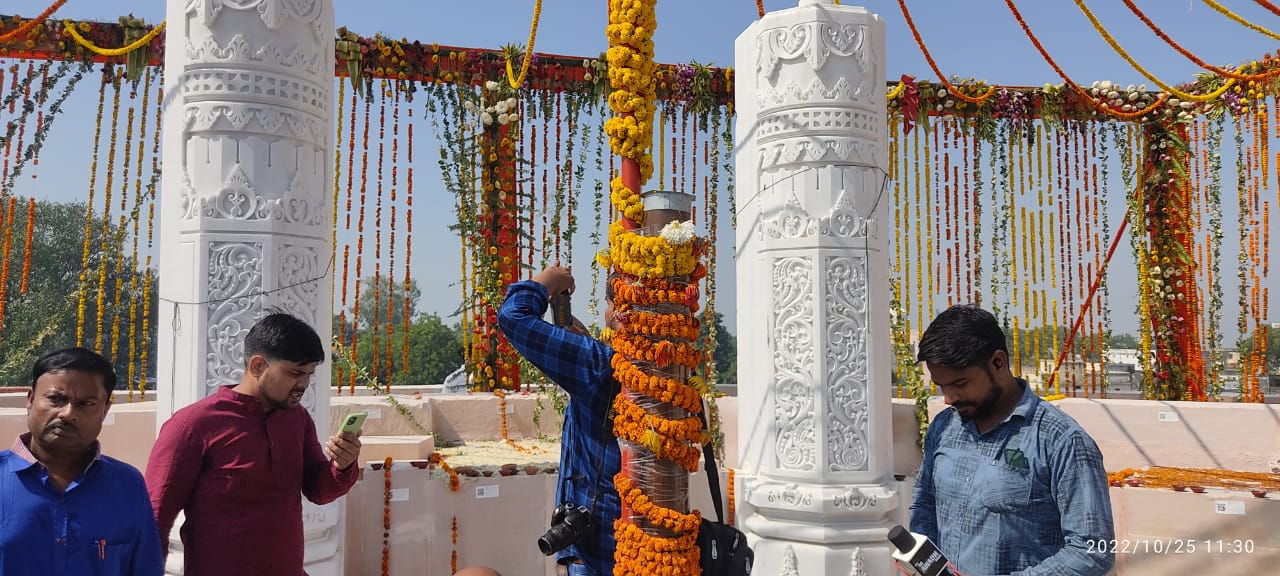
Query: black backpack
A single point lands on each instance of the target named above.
(724, 548)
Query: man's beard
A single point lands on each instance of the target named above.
(984, 407)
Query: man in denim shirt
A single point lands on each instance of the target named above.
(1009, 484)
(581, 366)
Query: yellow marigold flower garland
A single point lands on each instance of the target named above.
(646, 263)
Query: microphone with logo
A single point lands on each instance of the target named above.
(918, 555)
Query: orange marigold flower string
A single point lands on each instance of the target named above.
(375, 355)
(1149, 76)
(1192, 57)
(391, 241)
(26, 27)
(386, 516)
(26, 260)
(1081, 91)
(364, 182)
(979, 100)
(408, 240)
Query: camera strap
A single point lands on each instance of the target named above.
(605, 427)
(709, 462)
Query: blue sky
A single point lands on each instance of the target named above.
(969, 38)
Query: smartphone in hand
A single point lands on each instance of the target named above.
(353, 422)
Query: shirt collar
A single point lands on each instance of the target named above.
(21, 448)
(242, 402)
(1024, 409)
(1026, 404)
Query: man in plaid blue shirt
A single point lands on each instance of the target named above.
(1009, 484)
(581, 366)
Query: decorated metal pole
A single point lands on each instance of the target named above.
(653, 255)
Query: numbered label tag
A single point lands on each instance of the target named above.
(374, 414)
(399, 494)
(1169, 417)
(490, 491)
(1229, 507)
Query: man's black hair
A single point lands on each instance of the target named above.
(960, 337)
(75, 359)
(282, 336)
(608, 287)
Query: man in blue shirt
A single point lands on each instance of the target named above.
(581, 366)
(65, 509)
(1009, 484)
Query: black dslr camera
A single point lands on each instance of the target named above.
(570, 523)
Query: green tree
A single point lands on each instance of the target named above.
(380, 296)
(45, 315)
(1128, 341)
(434, 351)
(1246, 347)
(726, 352)
(433, 347)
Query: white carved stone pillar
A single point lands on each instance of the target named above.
(246, 198)
(817, 494)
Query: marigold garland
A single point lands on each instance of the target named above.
(29, 25)
(1240, 20)
(663, 353)
(1192, 57)
(70, 29)
(665, 518)
(732, 503)
(1160, 100)
(1149, 76)
(660, 388)
(651, 261)
(979, 100)
(676, 326)
(647, 256)
(386, 516)
(514, 80)
(26, 261)
(683, 430)
(640, 553)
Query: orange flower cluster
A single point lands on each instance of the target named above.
(453, 554)
(26, 27)
(640, 553)
(637, 502)
(669, 439)
(685, 429)
(660, 388)
(679, 326)
(386, 517)
(732, 506)
(662, 353)
(502, 412)
(455, 482)
(658, 291)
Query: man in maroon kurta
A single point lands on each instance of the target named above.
(236, 462)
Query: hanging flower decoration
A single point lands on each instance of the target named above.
(655, 293)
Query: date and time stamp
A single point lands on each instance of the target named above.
(1171, 546)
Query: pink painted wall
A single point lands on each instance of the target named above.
(500, 530)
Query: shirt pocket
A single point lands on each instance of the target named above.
(1008, 490)
(108, 559)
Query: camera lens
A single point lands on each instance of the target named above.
(557, 538)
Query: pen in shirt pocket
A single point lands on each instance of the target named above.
(102, 549)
